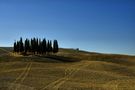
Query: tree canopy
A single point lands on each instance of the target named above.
(36, 46)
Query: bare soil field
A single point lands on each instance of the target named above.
(88, 71)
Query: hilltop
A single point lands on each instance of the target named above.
(69, 69)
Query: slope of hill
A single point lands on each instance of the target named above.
(90, 71)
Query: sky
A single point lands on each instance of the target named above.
(106, 26)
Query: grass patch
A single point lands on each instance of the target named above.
(86, 71)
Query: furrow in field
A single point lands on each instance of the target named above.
(24, 76)
(21, 77)
(56, 87)
(72, 70)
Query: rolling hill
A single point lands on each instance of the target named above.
(69, 69)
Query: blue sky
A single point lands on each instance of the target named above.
(106, 26)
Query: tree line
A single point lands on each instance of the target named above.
(36, 46)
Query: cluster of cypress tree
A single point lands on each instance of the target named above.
(36, 46)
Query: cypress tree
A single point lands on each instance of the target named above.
(31, 45)
(55, 46)
(21, 47)
(47, 46)
(44, 47)
(40, 46)
(50, 46)
(27, 46)
(15, 47)
(34, 45)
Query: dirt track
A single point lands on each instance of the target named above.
(69, 72)
(20, 78)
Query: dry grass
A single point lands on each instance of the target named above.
(94, 72)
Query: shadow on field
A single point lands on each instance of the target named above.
(45, 59)
(60, 58)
